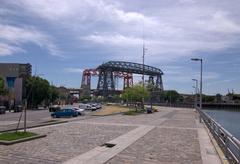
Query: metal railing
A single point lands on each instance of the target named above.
(227, 142)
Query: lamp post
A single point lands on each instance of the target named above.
(196, 92)
(201, 61)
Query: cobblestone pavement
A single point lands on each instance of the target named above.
(62, 142)
(174, 139)
(142, 119)
(162, 145)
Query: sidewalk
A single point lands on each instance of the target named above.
(169, 136)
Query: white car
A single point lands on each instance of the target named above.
(85, 106)
(93, 107)
(79, 110)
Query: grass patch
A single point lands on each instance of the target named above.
(134, 112)
(11, 136)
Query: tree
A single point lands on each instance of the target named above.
(218, 98)
(39, 90)
(171, 96)
(135, 94)
(3, 91)
(53, 93)
(208, 99)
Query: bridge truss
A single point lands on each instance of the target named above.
(108, 73)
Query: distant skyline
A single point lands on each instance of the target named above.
(62, 38)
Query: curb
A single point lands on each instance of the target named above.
(21, 140)
(35, 126)
(108, 114)
(216, 146)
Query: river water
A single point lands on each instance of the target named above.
(230, 120)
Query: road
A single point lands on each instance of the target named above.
(34, 117)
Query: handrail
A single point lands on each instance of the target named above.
(227, 142)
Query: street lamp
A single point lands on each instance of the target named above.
(201, 61)
(196, 91)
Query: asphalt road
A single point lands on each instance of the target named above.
(32, 115)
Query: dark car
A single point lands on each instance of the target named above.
(65, 113)
(2, 109)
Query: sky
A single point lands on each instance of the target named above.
(62, 38)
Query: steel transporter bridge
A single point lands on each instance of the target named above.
(108, 72)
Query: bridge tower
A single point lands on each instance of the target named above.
(159, 82)
(86, 83)
(105, 82)
(128, 80)
(151, 80)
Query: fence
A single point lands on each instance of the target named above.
(227, 142)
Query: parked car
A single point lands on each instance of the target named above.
(85, 106)
(93, 107)
(68, 112)
(54, 108)
(79, 110)
(99, 106)
(2, 109)
(18, 108)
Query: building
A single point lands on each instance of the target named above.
(14, 75)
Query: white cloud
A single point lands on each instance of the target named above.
(114, 40)
(6, 49)
(219, 22)
(73, 70)
(95, 10)
(171, 31)
(12, 38)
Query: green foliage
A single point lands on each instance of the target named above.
(234, 96)
(3, 91)
(38, 90)
(54, 95)
(207, 98)
(85, 98)
(170, 96)
(218, 98)
(135, 94)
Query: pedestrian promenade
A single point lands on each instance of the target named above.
(172, 135)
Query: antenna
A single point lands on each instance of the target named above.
(143, 55)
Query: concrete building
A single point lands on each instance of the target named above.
(14, 75)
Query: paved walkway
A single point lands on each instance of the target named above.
(168, 136)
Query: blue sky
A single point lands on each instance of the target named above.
(62, 38)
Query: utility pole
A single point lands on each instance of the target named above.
(25, 115)
(201, 69)
(143, 69)
(143, 61)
